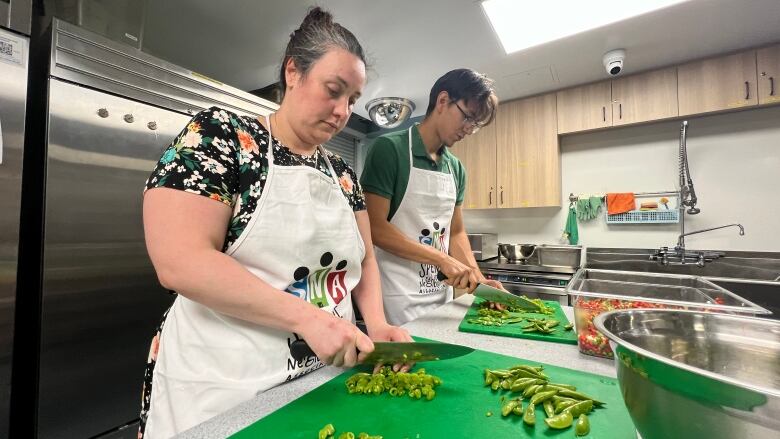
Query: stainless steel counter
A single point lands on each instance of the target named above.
(441, 324)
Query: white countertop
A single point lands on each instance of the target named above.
(442, 325)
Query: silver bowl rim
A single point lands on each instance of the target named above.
(599, 322)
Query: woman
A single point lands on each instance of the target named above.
(252, 236)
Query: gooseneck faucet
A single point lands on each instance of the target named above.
(687, 198)
(681, 238)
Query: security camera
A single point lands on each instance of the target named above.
(613, 61)
(389, 112)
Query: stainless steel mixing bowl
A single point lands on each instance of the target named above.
(516, 252)
(689, 374)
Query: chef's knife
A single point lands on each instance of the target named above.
(394, 352)
(497, 295)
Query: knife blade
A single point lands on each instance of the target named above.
(493, 294)
(395, 352)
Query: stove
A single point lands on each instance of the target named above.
(547, 282)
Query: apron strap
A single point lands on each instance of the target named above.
(330, 167)
(270, 152)
(411, 162)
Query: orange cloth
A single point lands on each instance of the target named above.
(620, 203)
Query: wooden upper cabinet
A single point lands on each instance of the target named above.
(584, 108)
(768, 75)
(645, 97)
(477, 152)
(528, 157)
(717, 84)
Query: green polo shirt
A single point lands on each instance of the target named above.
(386, 172)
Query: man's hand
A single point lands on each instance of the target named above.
(459, 275)
(387, 332)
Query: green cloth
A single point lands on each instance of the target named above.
(386, 171)
(588, 208)
(571, 232)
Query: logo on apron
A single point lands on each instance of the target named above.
(318, 285)
(429, 284)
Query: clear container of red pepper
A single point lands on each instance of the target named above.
(594, 291)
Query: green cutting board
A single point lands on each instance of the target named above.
(515, 330)
(458, 410)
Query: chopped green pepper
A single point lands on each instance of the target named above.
(583, 426)
(549, 409)
(529, 416)
(560, 421)
(582, 407)
(326, 431)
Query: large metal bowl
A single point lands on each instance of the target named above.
(688, 374)
(516, 252)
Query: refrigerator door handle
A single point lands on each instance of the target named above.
(1, 141)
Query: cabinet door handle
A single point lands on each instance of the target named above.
(490, 197)
(502, 197)
(747, 90)
(771, 86)
(620, 110)
(604, 114)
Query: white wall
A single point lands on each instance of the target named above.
(735, 165)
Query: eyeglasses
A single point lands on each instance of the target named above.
(470, 123)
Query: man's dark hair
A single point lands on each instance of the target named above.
(470, 86)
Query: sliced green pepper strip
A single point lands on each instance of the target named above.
(508, 407)
(580, 396)
(580, 408)
(549, 409)
(543, 396)
(530, 390)
(563, 405)
(569, 327)
(583, 426)
(563, 386)
(529, 416)
(560, 421)
(521, 384)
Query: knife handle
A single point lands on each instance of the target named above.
(299, 350)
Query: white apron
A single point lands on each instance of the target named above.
(302, 238)
(409, 288)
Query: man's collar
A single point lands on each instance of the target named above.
(418, 147)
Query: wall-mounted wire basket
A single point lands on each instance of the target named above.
(663, 215)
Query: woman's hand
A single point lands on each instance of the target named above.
(387, 332)
(333, 340)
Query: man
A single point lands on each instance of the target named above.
(414, 190)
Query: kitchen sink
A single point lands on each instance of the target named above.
(754, 276)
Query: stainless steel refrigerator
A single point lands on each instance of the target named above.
(112, 110)
(14, 56)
